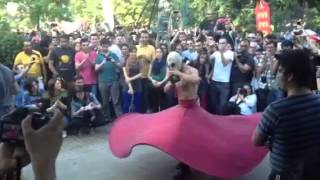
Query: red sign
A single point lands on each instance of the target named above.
(263, 17)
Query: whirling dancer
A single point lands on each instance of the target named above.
(217, 145)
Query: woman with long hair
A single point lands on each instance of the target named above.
(204, 67)
(59, 98)
(157, 72)
(132, 91)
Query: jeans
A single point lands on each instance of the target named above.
(266, 97)
(107, 91)
(157, 99)
(137, 102)
(219, 96)
(146, 93)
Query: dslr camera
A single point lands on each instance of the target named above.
(10, 125)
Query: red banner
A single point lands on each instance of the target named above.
(263, 17)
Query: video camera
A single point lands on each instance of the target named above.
(10, 125)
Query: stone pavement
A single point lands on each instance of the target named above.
(88, 157)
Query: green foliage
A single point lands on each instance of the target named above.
(10, 45)
(130, 12)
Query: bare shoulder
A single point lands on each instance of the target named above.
(191, 70)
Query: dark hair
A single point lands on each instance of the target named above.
(110, 34)
(104, 41)
(274, 43)
(65, 36)
(133, 48)
(84, 40)
(298, 64)
(28, 84)
(222, 37)
(144, 32)
(51, 84)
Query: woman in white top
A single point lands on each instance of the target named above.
(246, 100)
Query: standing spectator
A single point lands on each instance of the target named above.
(157, 72)
(115, 46)
(61, 61)
(231, 35)
(242, 68)
(144, 48)
(94, 42)
(289, 127)
(125, 53)
(33, 60)
(106, 67)
(165, 50)
(208, 23)
(132, 90)
(204, 68)
(220, 84)
(147, 54)
(84, 63)
(190, 54)
(267, 70)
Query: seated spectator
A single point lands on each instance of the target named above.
(85, 110)
(133, 93)
(246, 100)
(59, 98)
(32, 95)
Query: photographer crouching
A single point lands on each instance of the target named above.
(245, 100)
(20, 143)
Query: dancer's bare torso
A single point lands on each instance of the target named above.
(187, 90)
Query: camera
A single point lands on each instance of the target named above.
(243, 92)
(239, 53)
(10, 125)
(264, 79)
(174, 79)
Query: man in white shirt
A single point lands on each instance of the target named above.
(220, 77)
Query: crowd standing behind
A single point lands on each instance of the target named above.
(95, 77)
(119, 72)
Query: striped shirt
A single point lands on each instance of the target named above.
(292, 125)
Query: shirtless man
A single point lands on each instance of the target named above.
(185, 79)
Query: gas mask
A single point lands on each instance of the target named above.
(174, 61)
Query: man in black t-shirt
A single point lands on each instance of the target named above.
(61, 60)
(242, 68)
